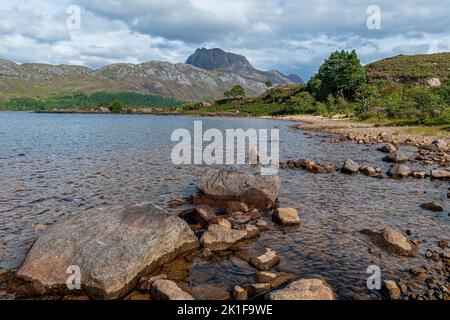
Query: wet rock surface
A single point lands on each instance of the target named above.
(392, 241)
(304, 289)
(148, 237)
(254, 190)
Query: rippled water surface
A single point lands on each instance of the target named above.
(56, 165)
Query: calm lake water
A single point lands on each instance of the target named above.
(53, 165)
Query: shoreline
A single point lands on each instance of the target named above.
(361, 132)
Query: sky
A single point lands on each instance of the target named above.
(292, 36)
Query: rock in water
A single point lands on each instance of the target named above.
(304, 289)
(113, 247)
(239, 293)
(396, 158)
(168, 290)
(431, 206)
(218, 238)
(266, 261)
(286, 216)
(392, 241)
(399, 171)
(350, 167)
(440, 174)
(391, 290)
(254, 190)
(388, 148)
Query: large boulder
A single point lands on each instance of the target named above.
(113, 248)
(392, 241)
(304, 289)
(254, 190)
(218, 238)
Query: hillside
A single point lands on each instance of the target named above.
(180, 81)
(416, 68)
(219, 60)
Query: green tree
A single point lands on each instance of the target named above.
(340, 75)
(116, 107)
(269, 84)
(236, 92)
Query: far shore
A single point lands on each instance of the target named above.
(349, 128)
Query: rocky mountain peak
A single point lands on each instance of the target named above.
(219, 60)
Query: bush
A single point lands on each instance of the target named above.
(116, 107)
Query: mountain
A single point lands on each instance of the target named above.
(219, 60)
(415, 68)
(181, 81)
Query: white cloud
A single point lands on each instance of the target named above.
(290, 35)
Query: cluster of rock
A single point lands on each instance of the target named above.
(418, 283)
(308, 165)
(123, 249)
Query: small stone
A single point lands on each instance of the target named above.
(403, 287)
(391, 290)
(430, 206)
(443, 244)
(396, 158)
(240, 294)
(218, 238)
(350, 167)
(399, 171)
(252, 231)
(145, 282)
(255, 214)
(257, 289)
(266, 261)
(236, 206)
(138, 296)
(286, 216)
(222, 222)
(5, 275)
(440, 174)
(205, 214)
(368, 171)
(418, 174)
(388, 148)
(206, 253)
(304, 289)
(240, 218)
(274, 279)
(262, 225)
(168, 290)
(211, 292)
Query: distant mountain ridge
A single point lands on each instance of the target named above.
(220, 60)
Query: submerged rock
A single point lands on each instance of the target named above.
(391, 290)
(286, 216)
(431, 206)
(218, 238)
(168, 290)
(440, 174)
(399, 171)
(350, 167)
(112, 246)
(304, 289)
(239, 293)
(392, 241)
(396, 158)
(254, 190)
(274, 279)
